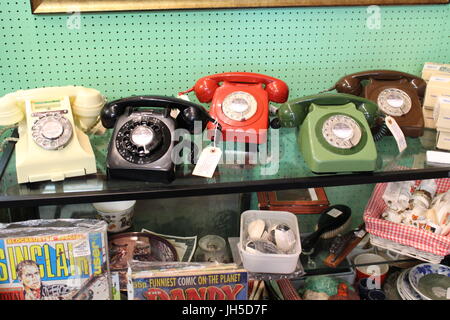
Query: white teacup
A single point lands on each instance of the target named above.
(118, 214)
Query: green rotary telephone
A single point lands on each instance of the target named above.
(335, 133)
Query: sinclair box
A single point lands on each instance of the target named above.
(186, 281)
(58, 259)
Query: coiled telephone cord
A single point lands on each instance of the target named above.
(9, 139)
(382, 131)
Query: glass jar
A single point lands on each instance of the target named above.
(211, 248)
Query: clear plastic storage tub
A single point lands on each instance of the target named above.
(269, 263)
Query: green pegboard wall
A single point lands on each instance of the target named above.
(164, 52)
(167, 51)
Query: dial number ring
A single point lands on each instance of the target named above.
(239, 106)
(394, 102)
(341, 132)
(52, 131)
(143, 150)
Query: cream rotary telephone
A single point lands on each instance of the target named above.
(52, 144)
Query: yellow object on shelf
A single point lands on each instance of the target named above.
(431, 69)
(437, 86)
(428, 119)
(52, 144)
(442, 114)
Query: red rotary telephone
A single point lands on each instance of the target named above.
(241, 104)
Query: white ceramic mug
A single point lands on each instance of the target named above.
(118, 214)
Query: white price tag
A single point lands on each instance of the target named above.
(431, 66)
(174, 113)
(207, 162)
(313, 194)
(334, 213)
(439, 79)
(81, 249)
(448, 293)
(360, 233)
(397, 133)
(184, 97)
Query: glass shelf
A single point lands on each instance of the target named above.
(290, 173)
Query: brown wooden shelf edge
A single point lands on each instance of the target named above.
(70, 6)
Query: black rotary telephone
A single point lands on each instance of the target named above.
(141, 145)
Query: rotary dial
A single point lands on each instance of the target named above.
(239, 106)
(341, 132)
(394, 102)
(52, 131)
(141, 141)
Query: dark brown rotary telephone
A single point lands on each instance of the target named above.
(397, 94)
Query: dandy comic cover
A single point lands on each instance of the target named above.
(227, 284)
(59, 260)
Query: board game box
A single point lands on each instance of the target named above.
(58, 259)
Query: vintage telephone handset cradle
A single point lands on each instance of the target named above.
(398, 94)
(141, 145)
(240, 103)
(52, 122)
(334, 134)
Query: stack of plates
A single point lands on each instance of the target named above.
(425, 282)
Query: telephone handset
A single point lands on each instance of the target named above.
(240, 104)
(141, 144)
(335, 133)
(397, 94)
(52, 144)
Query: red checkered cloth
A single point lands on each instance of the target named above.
(407, 235)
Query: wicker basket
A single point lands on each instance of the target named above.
(405, 250)
(406, 240)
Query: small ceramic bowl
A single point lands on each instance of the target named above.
(431, 281)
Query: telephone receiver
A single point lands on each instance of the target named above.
(189, 112)
(351, 84)
(205, 87)
(335, 131)
(293, 113)
(86, 103)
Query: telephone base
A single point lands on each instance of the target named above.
(246, 136)
(320, 156)
(142, 175)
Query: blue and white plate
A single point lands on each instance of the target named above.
(407, 289)
(431, 281)
(399, 286)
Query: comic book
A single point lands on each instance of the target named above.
(186, 281)
(58, 259)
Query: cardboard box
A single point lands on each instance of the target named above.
(442, 114)
(55, 259)
(437, 86)
(428, 119)
(431, 69)
(443, 140)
